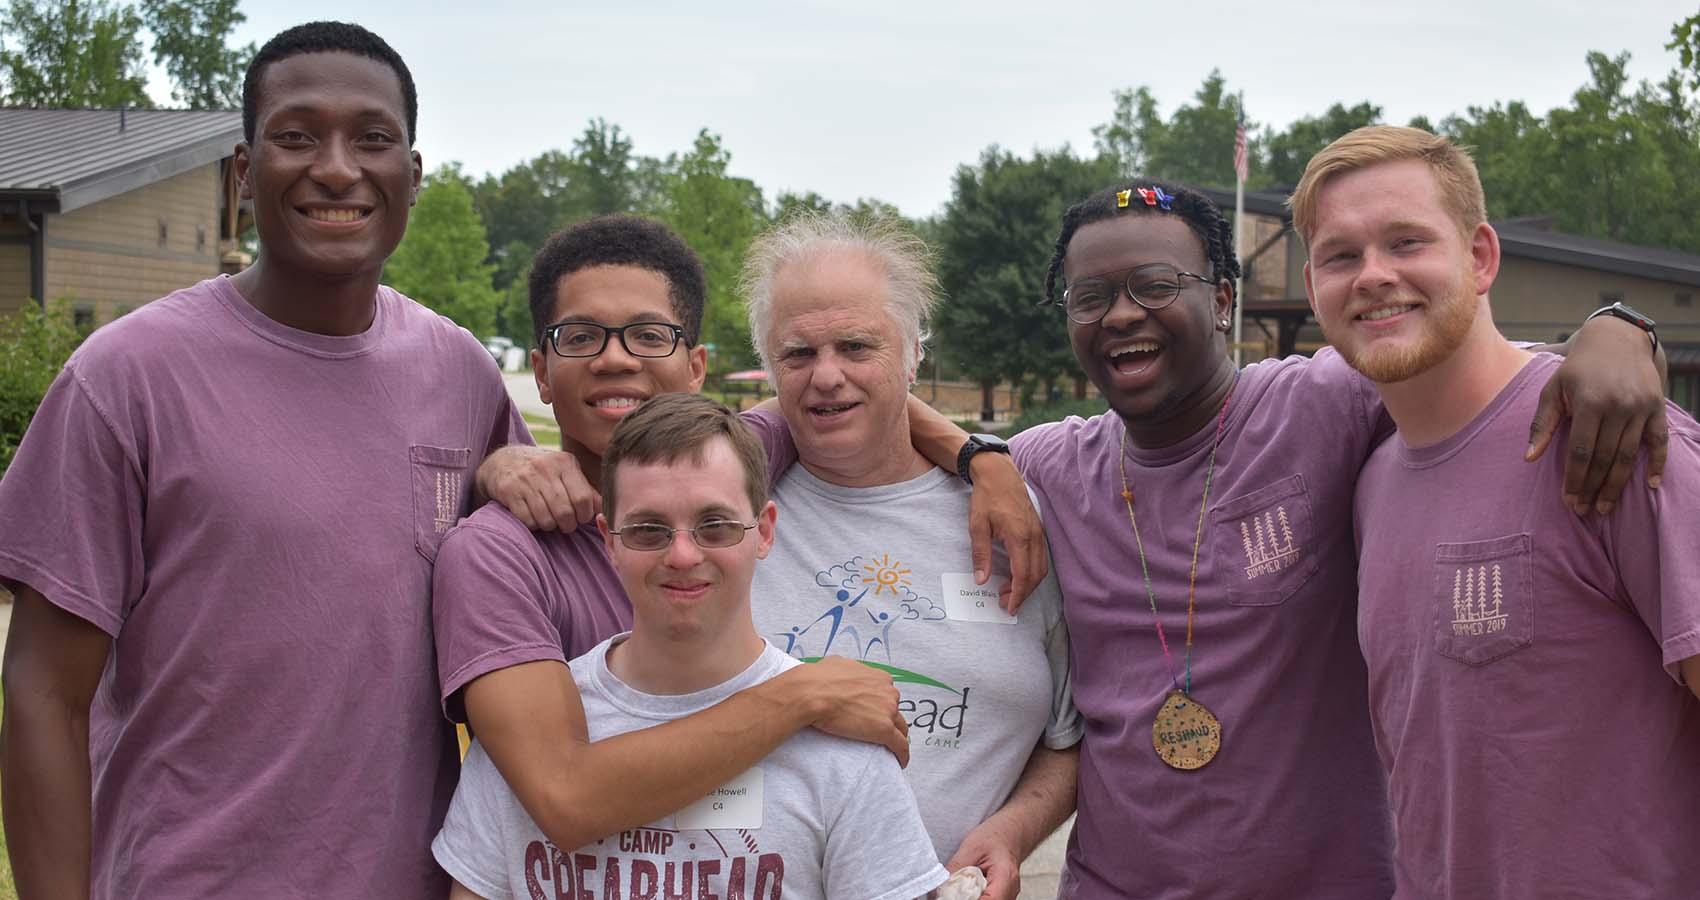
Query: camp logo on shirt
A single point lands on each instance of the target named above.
(1268, 542)
(656, 863)
(871, 597)
(1472, 614)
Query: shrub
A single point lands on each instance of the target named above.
(33, 347)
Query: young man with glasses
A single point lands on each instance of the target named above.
(686, 521)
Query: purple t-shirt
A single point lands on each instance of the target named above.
(1293, 804)
(250, 512)
(1523, 662)
(506, 595)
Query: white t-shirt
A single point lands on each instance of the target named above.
(885, 575)
(820, 817)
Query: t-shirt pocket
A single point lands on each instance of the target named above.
(1484, 604)
(1265, 541)
(440, 490)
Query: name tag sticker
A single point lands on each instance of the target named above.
(735, 804)
(965, 601)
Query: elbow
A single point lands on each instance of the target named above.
(563, 819)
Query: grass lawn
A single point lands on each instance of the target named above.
(544, 431)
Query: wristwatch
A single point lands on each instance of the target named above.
(977, 443)
(1629, 314)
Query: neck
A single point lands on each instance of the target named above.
(1469, 380)
(656, 662)
(897, 461)
(339, 306)
(1191, 415)
(589, 461)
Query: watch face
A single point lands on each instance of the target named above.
(1634, 315)
(989, 441)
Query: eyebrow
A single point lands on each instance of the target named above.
(308, 109)
(634, 319)
(642, 516)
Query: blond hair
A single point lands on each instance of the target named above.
(1454, 172)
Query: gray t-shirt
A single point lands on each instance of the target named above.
(820, 817)
(885, 574)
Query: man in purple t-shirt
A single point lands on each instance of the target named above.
(617, 305)
(1531, 673)
(1227, 755)
(219, 529)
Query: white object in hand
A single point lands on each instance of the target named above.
(966, 883)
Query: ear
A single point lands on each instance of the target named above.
(764, 528)
(540, 373)
(699, 367)
(609, 539)
(1222, 306)
(1484, 257)
(418, 176)
(243, 164)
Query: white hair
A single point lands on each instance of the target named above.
(887, 242)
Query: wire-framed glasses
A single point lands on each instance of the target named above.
(711, 535)
(1089, 299)
(579, 339)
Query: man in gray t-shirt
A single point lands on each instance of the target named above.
(684, 484)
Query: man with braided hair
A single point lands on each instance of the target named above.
(1201, 533)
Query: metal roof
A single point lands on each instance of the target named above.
(1521, 238)
(66, 158)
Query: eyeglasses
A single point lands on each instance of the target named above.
(1088, 300)
(714, 534)
(651, 340)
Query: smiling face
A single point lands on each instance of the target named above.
(685, 591)
(591, 394)
(838, 366)
(1149, 363)
(1394, 283)
(330, 172)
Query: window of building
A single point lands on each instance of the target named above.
(162, 232)
(1685, 299)
(1607, 298)
(82, 318)
(1685, 391)
(200, 238)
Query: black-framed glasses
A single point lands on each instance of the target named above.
(1089, 299)
(714, 534)
(652, 340)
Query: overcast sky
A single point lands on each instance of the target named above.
(881, 99)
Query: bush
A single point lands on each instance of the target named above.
(1056, 412)
(33, 347)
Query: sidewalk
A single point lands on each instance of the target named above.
(1040, 872)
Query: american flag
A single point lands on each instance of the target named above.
(1242, 166)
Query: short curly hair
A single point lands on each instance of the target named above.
(619, 240)
(326, 37)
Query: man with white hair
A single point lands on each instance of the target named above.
(875, 565)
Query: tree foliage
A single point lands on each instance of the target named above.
(441, 263)
(994, 241)
(71, 53)
(1195, 145)
(718, 215)
(190, 41)
(34, 345)
(1286, 152)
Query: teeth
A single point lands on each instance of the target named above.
(335, 215)
(617, 403)
(1385, 312)
(1136, 347)
(832, 409)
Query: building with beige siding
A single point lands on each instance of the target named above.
(1548, 283)
(108, 209)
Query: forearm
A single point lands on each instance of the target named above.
(1042, 799)
(588, 791)
(934, 436)
(45, 794)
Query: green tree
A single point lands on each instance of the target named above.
(602, 177)
(190, 41)
(1285, 153)
(994, 242)
(718, 215)
(441, 263)
(1195, 145)
(34, 344)
(69, 53)
(1132, 132)
(1685, 40)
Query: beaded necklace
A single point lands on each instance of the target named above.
(1185, 734)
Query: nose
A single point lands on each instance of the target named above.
(683, 553)
(334, 166)
(1124, 311)
(1375, 273)
(614, 358)
(827, 373)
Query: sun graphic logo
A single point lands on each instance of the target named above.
(887, 574)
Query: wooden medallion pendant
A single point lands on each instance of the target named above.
(1185, 734)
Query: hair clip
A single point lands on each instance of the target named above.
(1122, 197)
(1156, 196)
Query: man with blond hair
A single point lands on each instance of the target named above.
(1532, 674)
